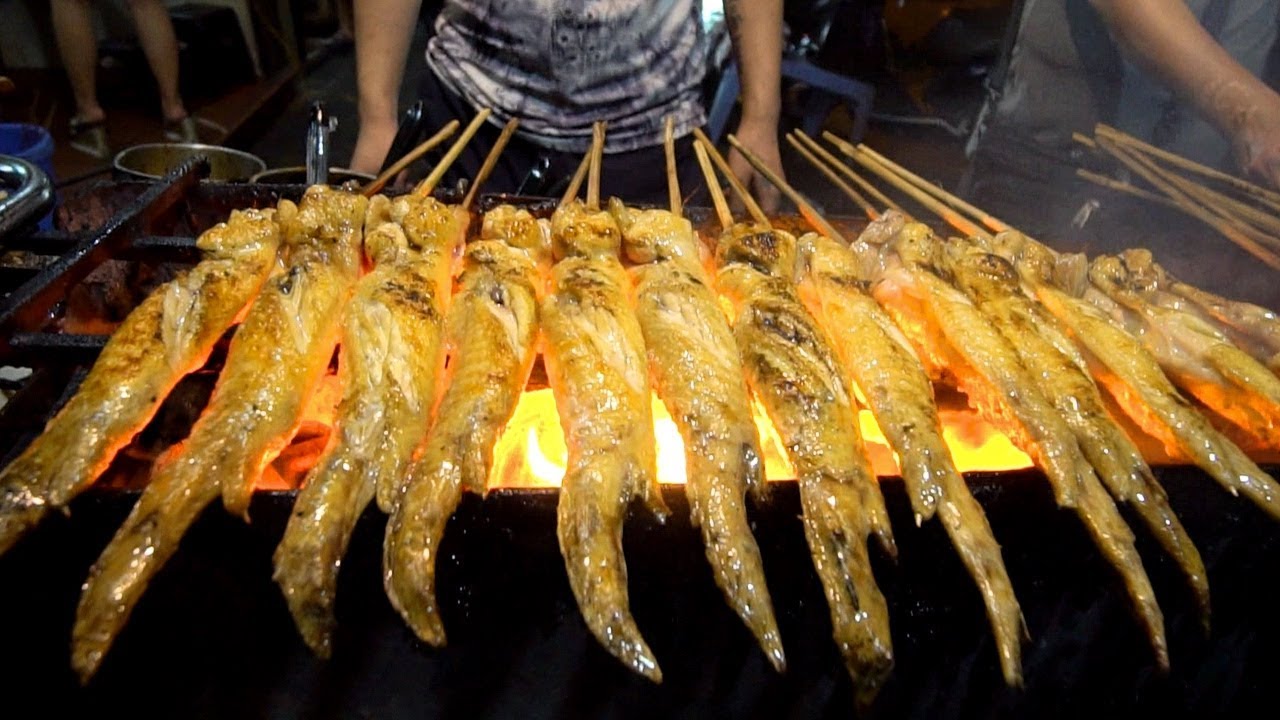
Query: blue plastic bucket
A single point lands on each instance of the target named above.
(33, 144)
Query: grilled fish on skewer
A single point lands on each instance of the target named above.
(279, 353)
(1046, 349)
(491, 334)
(878, 358)
(953, 337)
(1254, 329)
(389, 361)
(1194, 354)
(793, 370)
(1133, 378)
(595, 358)
(698, 374)
(170, 334)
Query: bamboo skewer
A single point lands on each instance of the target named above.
(753, 208)
(673, 178)
(597, 156)
(713, 185)
(952, 218)
(490, 162)
(1261, 226)
(575, 184)
(867, 208)
(807, 210)
(425, 147)
(1131, 142)
(1146, 168)
(993, 223)
(425, 187)
(1245, 217)
(1124, 187)
(835, 162)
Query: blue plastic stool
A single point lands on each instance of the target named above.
(829, 89)
(33, 144)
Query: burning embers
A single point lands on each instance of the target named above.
(774, 357)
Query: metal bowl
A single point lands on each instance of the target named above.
(154, 160)
(297, 175)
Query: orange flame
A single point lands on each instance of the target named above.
(532, 453)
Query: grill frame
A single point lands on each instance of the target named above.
(212, 637)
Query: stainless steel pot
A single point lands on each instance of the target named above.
(298, 176)
(154, 160)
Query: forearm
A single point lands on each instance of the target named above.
(384, 33)
(1165, 38)
(756, 29)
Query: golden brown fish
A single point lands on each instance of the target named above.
(792, 369)
(595, 358)
(277, 356)
(878, 359)
(956, 340)
(698, 374)
(389, 362)
(1046, 349)
(170, 334)
(491, 334)
(1133, 378)
(1198, 357)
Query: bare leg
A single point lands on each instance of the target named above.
(78, 46)
(160, 43)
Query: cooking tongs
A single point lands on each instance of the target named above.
(318, 149)
(26, 193)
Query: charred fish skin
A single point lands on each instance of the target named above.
(389, 362)
(170, 334)
(492, 333)
(698, 374)
(1046, 349)
(950, 330)
(595, 358)
(277, 356)
(879, 359)
(792, 370)
(323, 267)
(436, 233)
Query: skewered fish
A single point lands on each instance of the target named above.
(389, 361)
(170, 334)
(491, 334)
(880, 362)
(277, 356)
(698, 374)
(1133, 378)
(1046, 350)
(1194, 354)
(955, 339)
(595, 358)
(792, 368)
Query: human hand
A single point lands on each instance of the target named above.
(1258, 144)
(761, 138)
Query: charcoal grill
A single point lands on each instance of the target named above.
(212, 637)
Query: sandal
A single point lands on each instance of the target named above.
(183, 130)
(89, 137)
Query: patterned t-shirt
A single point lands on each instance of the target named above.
(560, 65)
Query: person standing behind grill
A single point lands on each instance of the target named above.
(1187, 75)
(559, 66)
(78, 46)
